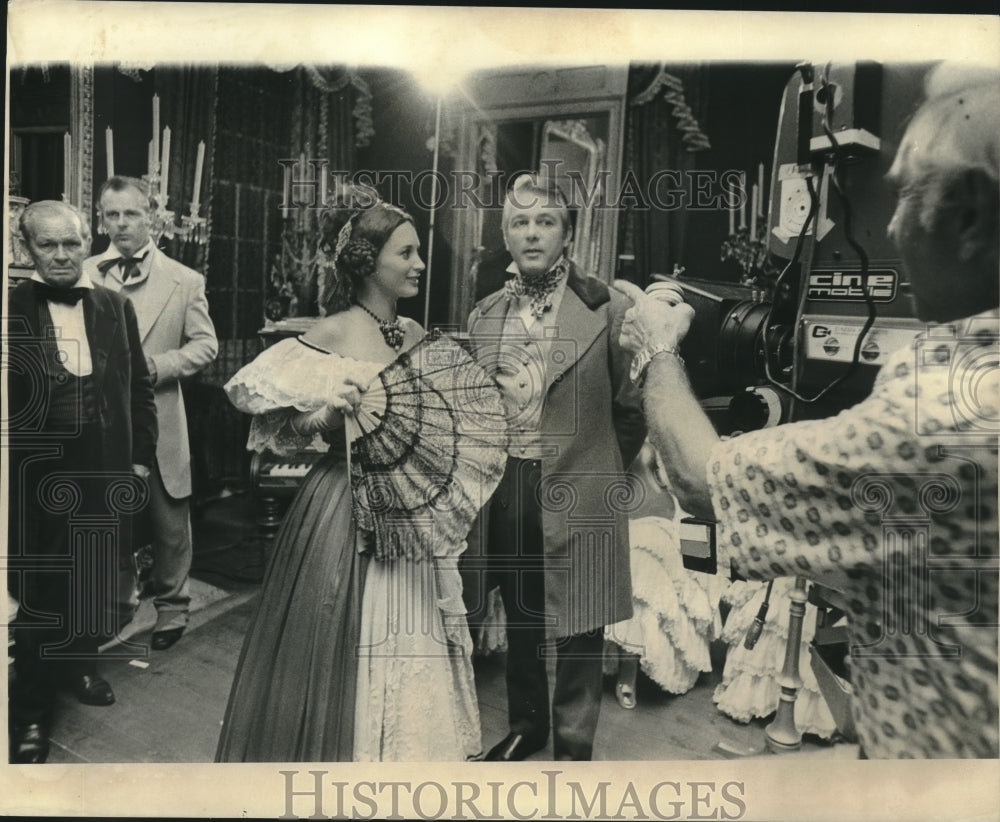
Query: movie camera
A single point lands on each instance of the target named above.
(807, 342)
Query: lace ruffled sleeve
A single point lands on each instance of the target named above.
(284, 380)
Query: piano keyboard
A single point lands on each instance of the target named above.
(281, 475)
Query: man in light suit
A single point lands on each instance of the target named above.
(178, 339)
(558, 526)
(81, 425)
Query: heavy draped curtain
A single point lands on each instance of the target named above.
(666, 106)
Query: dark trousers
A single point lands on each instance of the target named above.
(516, 555)
(63, 581)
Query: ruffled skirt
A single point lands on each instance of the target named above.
(749, 686)
(675, 612)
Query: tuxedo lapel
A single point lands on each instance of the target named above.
(102, 326)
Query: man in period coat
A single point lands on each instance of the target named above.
(82, 426)
(179, 340)
(558, 525)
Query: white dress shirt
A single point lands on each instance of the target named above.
(113, 280)
(70, 331)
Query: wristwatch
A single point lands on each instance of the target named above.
(642, 359)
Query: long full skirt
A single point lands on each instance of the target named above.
(293, 695)
(350, 658)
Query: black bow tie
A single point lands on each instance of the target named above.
(52, 293)
(130, 265)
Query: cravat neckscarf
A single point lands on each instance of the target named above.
(53, 293)
(130, 266)
(538, 289)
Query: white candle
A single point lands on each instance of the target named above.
(149, 158)
(753, 214)
(198, 165)
(165, 163)
(743, 201)
(156, 133)
(302, 215)
(109, 151)
(760, 190)
(67, 164)
(732, 220)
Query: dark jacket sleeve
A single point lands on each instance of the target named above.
(626, 408)
(144, 427)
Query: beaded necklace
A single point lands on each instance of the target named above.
(392, 330)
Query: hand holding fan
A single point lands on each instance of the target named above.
(429, 448)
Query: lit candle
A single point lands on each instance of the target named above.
(67, 164)
(198, 165)
(165, 163)
(753, 213)
(156, 133)
(743, 200)
(109, 150)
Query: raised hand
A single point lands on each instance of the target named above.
(651, 322)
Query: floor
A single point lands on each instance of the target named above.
(170, 704)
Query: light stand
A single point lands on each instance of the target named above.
(433, 210)
(782, 735)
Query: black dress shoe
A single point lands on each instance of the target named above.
(90, 689)
(164, 639)
(515, 747)
(31, 745)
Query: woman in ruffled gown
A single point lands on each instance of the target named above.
(350, 656)
(749, 686)
(675, 612)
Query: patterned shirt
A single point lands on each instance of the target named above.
(894, 503)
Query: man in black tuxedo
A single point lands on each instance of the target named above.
(82, 426)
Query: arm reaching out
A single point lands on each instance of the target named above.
(678, 427)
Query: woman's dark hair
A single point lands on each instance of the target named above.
(370, 229)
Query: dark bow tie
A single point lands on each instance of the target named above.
(130, 266)
(52, 293)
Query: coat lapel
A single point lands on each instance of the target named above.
(102, 325)
(578, 325)
(486, 329)
(151, 297)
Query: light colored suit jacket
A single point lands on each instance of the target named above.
(178, 336)
(592, 415)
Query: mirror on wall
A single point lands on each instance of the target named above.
(577, 150)
(51, 125)
(568, 121)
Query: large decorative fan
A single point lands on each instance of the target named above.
(429, 448)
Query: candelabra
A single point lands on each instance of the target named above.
(751, 256)
(295, 275)
(192, 225)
